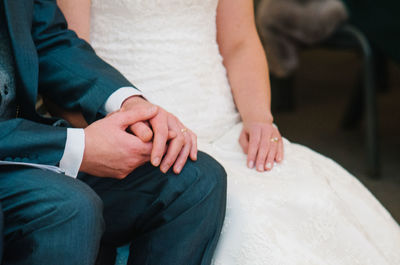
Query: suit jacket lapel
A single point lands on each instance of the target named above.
(19, 19)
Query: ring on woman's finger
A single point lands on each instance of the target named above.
(184, 130)
(275, 139)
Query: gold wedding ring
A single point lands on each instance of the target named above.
(275, 139)
(184, 130)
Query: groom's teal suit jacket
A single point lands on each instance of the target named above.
(53, 61)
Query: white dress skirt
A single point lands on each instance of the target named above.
(308, 210)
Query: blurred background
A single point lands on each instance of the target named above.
(335, 74)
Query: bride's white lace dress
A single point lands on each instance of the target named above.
(307, 210)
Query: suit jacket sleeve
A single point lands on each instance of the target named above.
(26, 141)
(70, 73)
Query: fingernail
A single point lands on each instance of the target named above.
(153, 109)
(178, 169)
(269, 165)
(250, 164)
(156, 161)
(260, 168)
(165, 168)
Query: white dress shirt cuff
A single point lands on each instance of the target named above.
(73, 153)
(116, 99)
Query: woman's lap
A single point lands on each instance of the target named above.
(307, 204)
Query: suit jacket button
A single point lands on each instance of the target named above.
(5, 89)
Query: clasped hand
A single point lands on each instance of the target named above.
(138, 133)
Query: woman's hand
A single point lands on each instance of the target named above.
(181, 147)
(263, 145)
(247, 71)
(172, 142)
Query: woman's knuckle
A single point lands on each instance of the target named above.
(181, 139)
(252, 149)
(262, 154)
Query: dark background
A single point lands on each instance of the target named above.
(323, 86)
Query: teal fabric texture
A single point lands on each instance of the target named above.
(7, 72)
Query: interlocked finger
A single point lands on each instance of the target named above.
(193, 150)
(160, 130)
(142, 130)
(174, 148)
(183, 155)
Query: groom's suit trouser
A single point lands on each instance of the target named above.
(168, 219)
(1, 234)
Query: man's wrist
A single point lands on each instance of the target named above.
(73, 152)
(132, 100)
(115, 101)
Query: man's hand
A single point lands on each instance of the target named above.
(172, 142)
(110, 151)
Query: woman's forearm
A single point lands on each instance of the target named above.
(248, 76)
(77, 14)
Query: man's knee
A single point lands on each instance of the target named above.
(83, 205)
(46, 199)
(211, 172)
(209, 178)
(60, 217)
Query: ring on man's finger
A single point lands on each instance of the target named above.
(274, 139)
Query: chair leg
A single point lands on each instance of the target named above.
(356, 106)
(371, 117)
(355, 109)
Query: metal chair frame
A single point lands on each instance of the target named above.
(348, 36)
